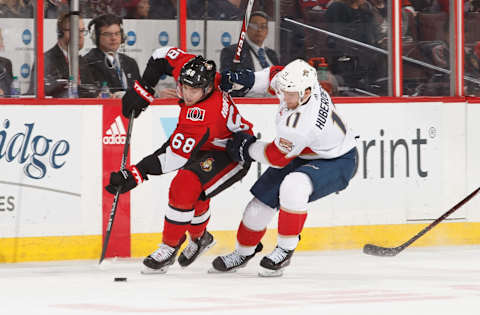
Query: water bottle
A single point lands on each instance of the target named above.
(322, 70)
(15, 90)
(72, 88)
(105, 91)
(322, 73)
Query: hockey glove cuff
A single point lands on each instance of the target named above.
(137, 99)
(237, 148)
(127, 179)
(237, 83)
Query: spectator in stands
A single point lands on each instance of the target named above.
(2, 46)
(380, 24)
(408, 21)
(106, 63)
(441, 5)
(137, 9)
(95, 8)
(217, 9)
(16, 9)
(6, 76)
(350, 18)
(472, 68)
(163, 9)
(54, 7)
(421, 5)
(437, 53)
(359, 67)
(471, 6)
(313, 4)
(57, 63)
(255, 55)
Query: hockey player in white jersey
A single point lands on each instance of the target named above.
(313, 155)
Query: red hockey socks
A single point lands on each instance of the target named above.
(200, 219)
(290, 223)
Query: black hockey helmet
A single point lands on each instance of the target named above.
(198, 73)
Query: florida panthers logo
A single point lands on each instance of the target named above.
(196, 114)
(207, 165)
(285, 145)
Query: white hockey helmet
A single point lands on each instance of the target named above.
(297, 76)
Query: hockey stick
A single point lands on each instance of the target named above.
(243, 34)
(117, 194)
(375, 250)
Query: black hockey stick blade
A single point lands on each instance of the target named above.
(375, 250)
(117, 194)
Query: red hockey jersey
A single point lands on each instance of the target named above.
(208, 124)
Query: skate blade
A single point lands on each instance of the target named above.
(213, 270)
(268, 273)
(149, 271)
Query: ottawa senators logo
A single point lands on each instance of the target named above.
(207, 165)
(196, 114)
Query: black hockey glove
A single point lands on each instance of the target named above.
(137, 99)
(237, 83)
(126, 179)
(237, 147)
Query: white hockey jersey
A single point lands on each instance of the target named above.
(314, 130)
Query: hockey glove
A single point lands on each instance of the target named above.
(137, 99)
(237, 147)
(127, 179)
(237, 83)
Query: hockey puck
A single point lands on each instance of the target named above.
(120, 279)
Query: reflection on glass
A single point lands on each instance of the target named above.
(355, 47)
(216, 9)
(472, 48)
(426, 63)
(16, 47)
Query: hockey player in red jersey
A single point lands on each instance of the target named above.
(312, 156)
(196, 148)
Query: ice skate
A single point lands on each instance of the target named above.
(274, 263)
(161, 259)
(195, 248)
(232, 261)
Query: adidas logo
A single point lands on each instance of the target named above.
(116, 134)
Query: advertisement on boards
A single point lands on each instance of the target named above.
(409, 156)
(114, 135)
(48, 160)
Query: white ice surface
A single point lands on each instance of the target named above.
(437, 281)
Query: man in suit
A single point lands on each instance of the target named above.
(255, 55)
(106, 63)
(57, 70)
(6, 77)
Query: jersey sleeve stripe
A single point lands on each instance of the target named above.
(276, 157)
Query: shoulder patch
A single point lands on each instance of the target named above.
(286, 145)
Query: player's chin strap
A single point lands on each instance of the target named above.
(301, 95)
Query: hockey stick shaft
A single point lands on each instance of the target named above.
(123, 164)
(243, 34)
(371, 249)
